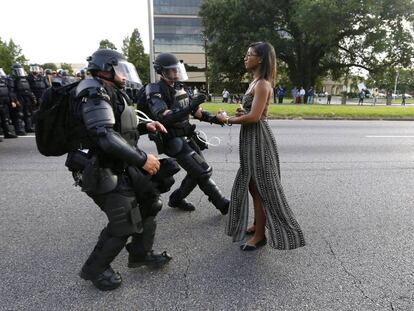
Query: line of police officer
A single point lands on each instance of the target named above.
(20, 96)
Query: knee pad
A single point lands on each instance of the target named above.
(123, 214)
(173, 146)
(151, 208)
(194, 164)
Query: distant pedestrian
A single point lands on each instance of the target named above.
(375, 96)
(329, 97)
(311, 93)
(302, 93)
(226, 96)
(361, 97)
(280, 94)
(403, 99)
(294, 93)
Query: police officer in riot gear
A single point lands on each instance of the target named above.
(123, 180)
(5, 103)
(169, 103)
(24, 95)
(48, 77)
(37, 82)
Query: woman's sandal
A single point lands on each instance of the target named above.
(248, 247)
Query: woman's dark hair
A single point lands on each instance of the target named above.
(268, 55)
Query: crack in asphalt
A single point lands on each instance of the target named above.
(187, 255)
(357, 282)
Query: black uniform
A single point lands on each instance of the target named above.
(110, 173)
(38, 84)
(26, 98)
(5, 103)
(181, 142)
(6, 109)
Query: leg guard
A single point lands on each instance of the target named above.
(123, 214)
(105, 251)
(194, 164)
(143, 242)
(214, 194)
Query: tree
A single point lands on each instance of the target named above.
(133, 49)
(51, 66)
(106, 44)
(10, 53)
(313, 38)
(67, 67)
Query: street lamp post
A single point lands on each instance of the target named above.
(206, 66)
(151, 39)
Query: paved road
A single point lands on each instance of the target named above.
(349, 183)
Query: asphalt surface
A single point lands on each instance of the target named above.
(349, 183)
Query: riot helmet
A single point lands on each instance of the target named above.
(166, 61)
(34, 68)
(18, 70)
(2, 73)
(112, 61)
(48, 72)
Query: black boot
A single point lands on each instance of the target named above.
(183, 205)
(214, 194)
(140, 249)
(21, 133)
(9, 135)
(177, 198)
(97, 268)
(150, 259)
(107, 280)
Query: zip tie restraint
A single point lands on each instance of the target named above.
(203, 137)
(143, 116)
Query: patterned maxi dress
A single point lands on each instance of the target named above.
(259, 161)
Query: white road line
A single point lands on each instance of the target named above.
(27, 136)
(390, 136)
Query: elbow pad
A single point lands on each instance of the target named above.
(156, 104)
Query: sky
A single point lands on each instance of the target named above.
(69, 31)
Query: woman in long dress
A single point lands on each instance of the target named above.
(259, 170)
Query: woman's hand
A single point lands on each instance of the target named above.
(240, 111)
(222, 116)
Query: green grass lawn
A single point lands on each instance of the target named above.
(291, 111)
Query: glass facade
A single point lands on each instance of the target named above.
(178, 30)
(178, 35)
(177, 7)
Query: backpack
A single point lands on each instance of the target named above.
(53, 120)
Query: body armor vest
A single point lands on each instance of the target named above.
(128, 126)
(39, 84)
(22, 85)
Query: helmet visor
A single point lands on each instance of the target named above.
(127, 70)
(34, 68)
(2, 73)
(182, 73)
(20, 72)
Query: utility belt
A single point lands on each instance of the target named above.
(89, 175)
(185, 130)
